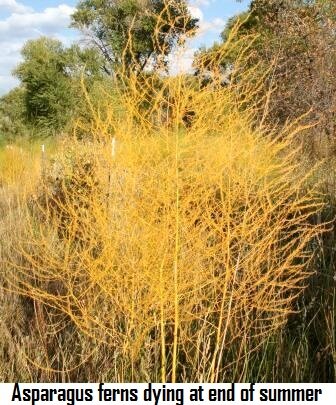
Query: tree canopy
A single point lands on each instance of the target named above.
(50, 74)
(295, 41)
(134, 31)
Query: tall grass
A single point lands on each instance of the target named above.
(176, 237)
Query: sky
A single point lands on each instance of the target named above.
(21, 20)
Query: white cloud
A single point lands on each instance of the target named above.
(23, 24)
(196, 12)
(181, 61)
(198, 3)
(216, 25)
(49, 21)
(7, 83)
(14, 6)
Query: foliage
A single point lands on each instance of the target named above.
(295, 42)
(54, 77)
(50, 74)
(175, 236)
(155, 28)
(181, 248)
(12, 116)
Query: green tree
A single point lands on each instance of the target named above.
(50, 75)
(12, 115)
(156, 26)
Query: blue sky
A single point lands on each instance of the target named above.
(21, 20)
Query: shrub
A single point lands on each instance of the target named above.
(179, 247)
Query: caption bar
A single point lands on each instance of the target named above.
(159, 394)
